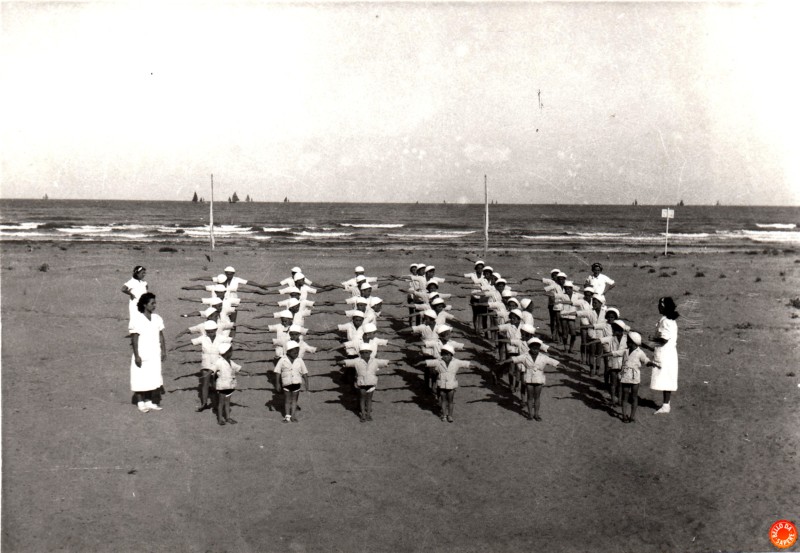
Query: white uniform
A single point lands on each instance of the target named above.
(137, 288)
(148, 376)
(665, 373)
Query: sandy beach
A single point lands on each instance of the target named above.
(83, 470)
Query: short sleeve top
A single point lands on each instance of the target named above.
(291, 371)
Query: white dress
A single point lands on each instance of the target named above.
(137, 288)
(148, 376)
(665, 373)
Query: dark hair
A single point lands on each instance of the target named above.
(144, 299)
(668, 307)
(137, 269)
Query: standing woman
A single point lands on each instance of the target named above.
(147, 340)
(665, 354)
(134, 288)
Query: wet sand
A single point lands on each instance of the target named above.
(83, 470)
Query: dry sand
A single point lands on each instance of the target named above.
(83, 470)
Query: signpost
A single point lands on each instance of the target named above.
(667, 214)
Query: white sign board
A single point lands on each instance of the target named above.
(667, 213)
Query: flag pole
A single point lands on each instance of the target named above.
(486, 217)
(211, 214)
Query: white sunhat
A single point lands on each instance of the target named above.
(285, 314)
(561, 274)
(612, 310)
(501, 281)
(622, 324)
(533, 341)
(362, 299)
(292, 290)
(296, 328)
(355, 313)
(432, 281)
(291, 344)
(635, 337)
(555, 271)
(443, 328)
(569, 284)
(429, 268)
(374, 300)
(588, 289)
(516, 312)
(220, 278)
(601, 298)
(229, 269)
(224, 347)
(209, 325)
(369, 327)
(429, 313)
(214, 301)
(448, 348)
(365, 347)
(413, 266)
(365, 286)
(479, 262)
(298, 276)
(525, 303)
(506, 293)
(291, 302)
(359, 269)
(361, 278)
(218, 288)
(296, 270)
(437, 301)
(530, 329)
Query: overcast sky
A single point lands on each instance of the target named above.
(580, 102)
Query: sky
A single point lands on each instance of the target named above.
(401, 102)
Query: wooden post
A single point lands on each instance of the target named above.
(486, 217)
(211, 214)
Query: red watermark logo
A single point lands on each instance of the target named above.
(783, 534)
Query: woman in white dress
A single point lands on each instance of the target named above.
(134, 288)
(147, 340)
(665, 354)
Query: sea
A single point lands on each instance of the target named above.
(401, 226)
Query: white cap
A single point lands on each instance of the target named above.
(488, 268)
(516, 312)
(214, 301)
(437, 301)
(223, 347)
(449, 348)
(530, 329)
(635, 337)
(479, 262)
(296, 270)
(365, 347)
(431, 282)
(208, 312)
(291, 302)
(292, 290)
(601, 298)
(429, 268)
(501, 280)
(505, 293)
(291, 344)
(525, 303)
(218, 288)
(512, 298)
(209, 325)
(429, 313)
(612, 310)
(413, 266)
(359, 269)
(365, 286)
(220, 278)
(374, 300)
(620, 323)
(355, 313)
(296, 328)
(361, 299)
(369, 327)
(443, 328)
(588, 289)
(433, 295)
(555, 271)
(230, 269)
(298, 276)
(361, 278)
(533, 341)
(285, 314)
(569, 284)
(561, 274)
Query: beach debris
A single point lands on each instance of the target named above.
(169, 249)
(699, 274)
(743, 326)
(44, 267)
(664, 275)
(722, 275)
(652, 270)
(795, 302)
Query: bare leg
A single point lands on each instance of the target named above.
(667, 397)
(362, 403)
(369, 405)
(537, 403)
(443, 404)
(614, 387)
(294, 397)
(634, 400)
(205, 380)
(287, 403)
(625, 393)
(529, 399)
(451, 397)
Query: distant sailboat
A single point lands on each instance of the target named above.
(194, 198)
(286, 200)
(46, 197)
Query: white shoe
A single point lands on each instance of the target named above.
(142, 407)
(152, 406)
(664, 410)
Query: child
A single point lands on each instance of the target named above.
(617, 344)
(446, 368)
(292, 372)
(366, 368)
(532, 365)
(210, 342)
(225, 371)
(632, 363)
